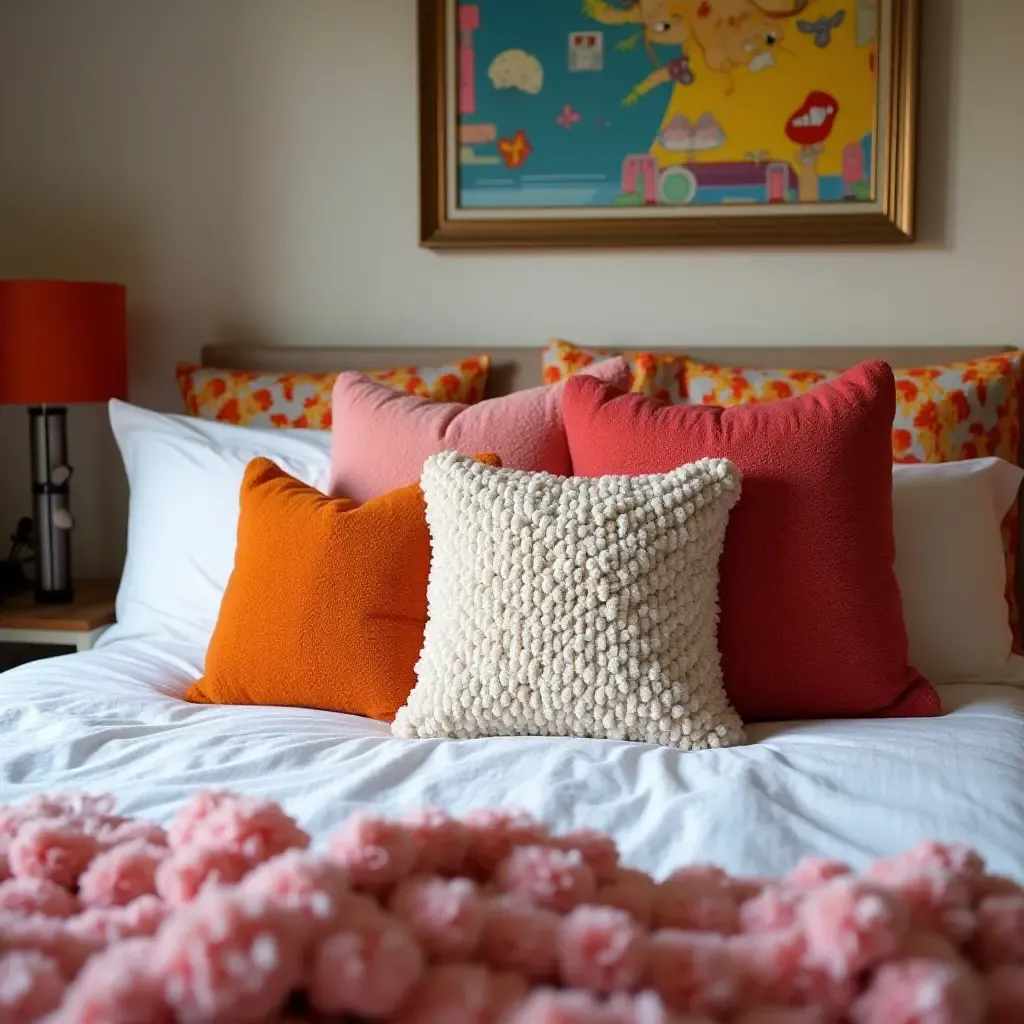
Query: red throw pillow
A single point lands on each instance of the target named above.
(812, 624)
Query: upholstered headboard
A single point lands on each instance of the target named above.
(516, 368)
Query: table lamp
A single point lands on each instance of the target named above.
(61, 343)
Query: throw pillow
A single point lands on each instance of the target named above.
(657, 374)
(303, 400)
(567, 607)
(525, 429)
(812, 624)
(326, 605)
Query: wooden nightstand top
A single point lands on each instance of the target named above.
(92, 608)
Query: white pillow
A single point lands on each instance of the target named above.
(951, 568)
(184, 475)
(573, 607)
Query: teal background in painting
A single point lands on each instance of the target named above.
(581, 165)
(595, 146)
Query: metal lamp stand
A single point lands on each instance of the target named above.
(51, 476)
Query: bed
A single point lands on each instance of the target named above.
(113, 720)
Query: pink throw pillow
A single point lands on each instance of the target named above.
(381, 438)
(812, 623)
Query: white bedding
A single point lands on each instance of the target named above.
(113, 721)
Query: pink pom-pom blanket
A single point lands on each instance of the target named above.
(229, 917)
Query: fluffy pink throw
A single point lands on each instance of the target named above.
(228, 917)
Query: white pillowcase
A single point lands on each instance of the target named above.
(952, 570)
(573, 607)
(185, 475)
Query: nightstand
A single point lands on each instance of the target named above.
(78, 623)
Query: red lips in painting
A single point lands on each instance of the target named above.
(812, 123)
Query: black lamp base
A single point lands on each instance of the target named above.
(51, 490)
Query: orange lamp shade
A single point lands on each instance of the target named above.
(62, 342)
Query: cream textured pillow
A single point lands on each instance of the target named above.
(574, 607)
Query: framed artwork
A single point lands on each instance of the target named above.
(564, 123)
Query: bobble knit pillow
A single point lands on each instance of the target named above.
(567, 607)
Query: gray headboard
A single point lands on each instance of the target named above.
(516, 368)
(511, 369)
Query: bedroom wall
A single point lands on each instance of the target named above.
(248, 168)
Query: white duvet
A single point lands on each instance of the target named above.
(114, 721)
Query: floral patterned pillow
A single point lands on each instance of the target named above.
(655, 374)
(944, 413)
(255, 399)
(725, 386)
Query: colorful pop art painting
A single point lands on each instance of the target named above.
(549, 122)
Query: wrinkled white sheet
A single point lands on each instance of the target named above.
(114, 721)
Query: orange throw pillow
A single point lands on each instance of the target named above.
(327, 602)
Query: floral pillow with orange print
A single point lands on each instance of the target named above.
(655, 374)
(738, 385)
(945, 413)
(303, 400)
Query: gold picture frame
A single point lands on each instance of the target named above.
(882, 212)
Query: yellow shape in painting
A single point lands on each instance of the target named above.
(753, 108)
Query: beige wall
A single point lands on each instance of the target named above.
(248, 168)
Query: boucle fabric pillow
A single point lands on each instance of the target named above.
(812, 623)
(326, 604)
(524, 429)
(571, 607)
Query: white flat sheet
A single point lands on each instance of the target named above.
(113, 721)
